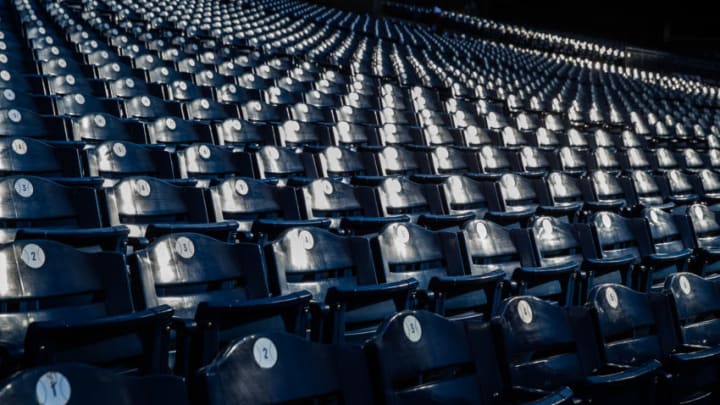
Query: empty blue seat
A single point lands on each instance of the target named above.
(217, 290)
(544, 346)
(276, 368)
(634, 328)
(81, 310)
(350, 301)
(150, 207)
(83, 384)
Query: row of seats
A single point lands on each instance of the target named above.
(342, 285)
(622, 346)
(116, 159)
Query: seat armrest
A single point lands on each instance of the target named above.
(436, 222)
(456, 285)
(366, 225)
(604, 265)
(365, 295)
(623, 374)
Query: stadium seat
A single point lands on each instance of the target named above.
(634, 328)
(277, 368)
(349, 299)
(420, 357)
(433, 258)
(218, 293)
(82, 384)
(695, 302)
(81, 310)
(543, 346)
(151, 207)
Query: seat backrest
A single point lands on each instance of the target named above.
(709, 180)
(401, 196)
(487, 247)
(171, 130)
(140, 201)
(245, 200)
(83, 384)
(679, 183)
(492, 160)
(447, 160)
(326, 198)
(555, 242)
(420, 357)
(563, 189)
(571, 160)
(516, 193)
(29, 202)
(461, 194)
(705, 225)
(236, 132)
(636, 159)
(105, 127)
(396, 160)
(315, 260)
(184, 269)
(38, 158)
(539, 343)
(697, 308)
(646, 188)
(277, 162)
(202, 160)
(350, 134)
(605, 159)
(339, 162)
(117, 159)
(532, 160)
(631, 324)
(278, 368)
(664, 233)
(605, 187)
(613, 235)
(406, 250)
(48, 280)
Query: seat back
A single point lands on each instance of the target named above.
(604, 187)
(632, 325)
(664, 233)
(400, 196)
(613, 235)
(246, 200)
(315, 260)
(339, 162)
(516, 193)
(277, 368)
(554, 242)
(460, 194)
(34, 157)
(403, 251)
(420, 357)
(563, 190)
(326, 198)
(539, 343)
(277, 162)
(705, 226)
(83, 384)
(183, 270)
(202, 160)
(697, 308)
(137, 202)
(117, 159)
(31, 202)
(487, 247)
